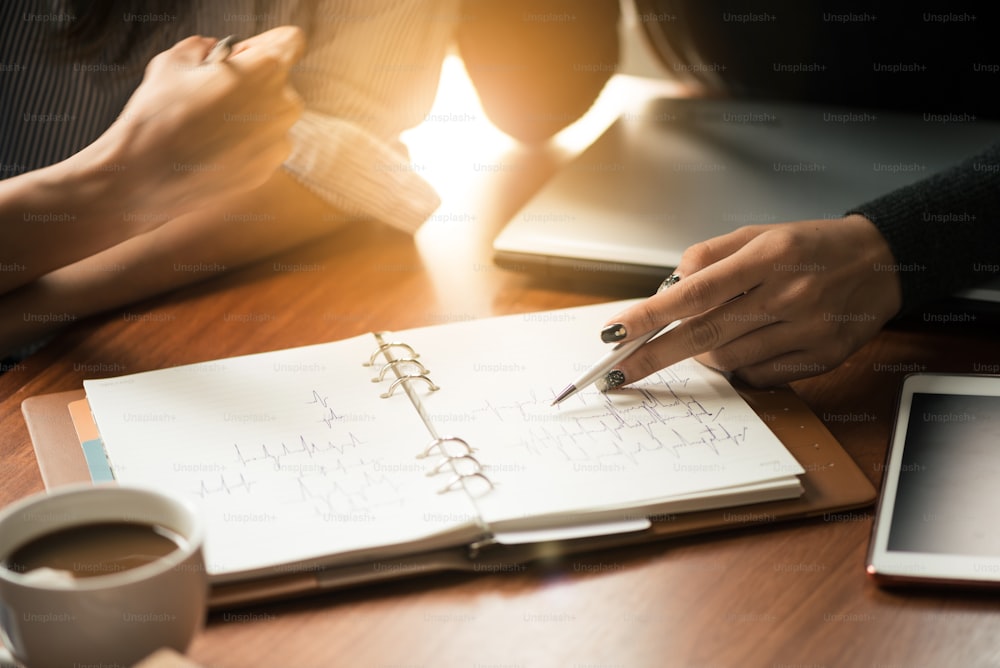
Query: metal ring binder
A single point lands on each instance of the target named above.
(438, 443)
(402, 379)
(384, 348)
(395, 363)
(460, 479)
(450, 461)
(453, 462)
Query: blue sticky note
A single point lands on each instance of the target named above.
(97, 461)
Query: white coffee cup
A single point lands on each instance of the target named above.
(115, 618)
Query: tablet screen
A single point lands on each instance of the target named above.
(938, 518)
(948, 491)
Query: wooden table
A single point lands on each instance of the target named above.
(792, 594)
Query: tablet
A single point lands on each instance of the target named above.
(938, 515)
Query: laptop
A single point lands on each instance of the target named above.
(672, 172)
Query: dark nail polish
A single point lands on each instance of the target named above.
(614, 378)
(612, 333)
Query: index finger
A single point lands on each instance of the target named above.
(711, 273)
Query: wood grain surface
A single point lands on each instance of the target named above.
(790, 594)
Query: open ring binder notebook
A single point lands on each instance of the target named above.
(437, 448)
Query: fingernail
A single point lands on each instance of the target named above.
(612, 333)
(614, 378)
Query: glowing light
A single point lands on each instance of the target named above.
(454, 132)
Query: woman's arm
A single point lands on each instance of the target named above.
(944, 231)
(230, 233)
(813, 292)
(189, 134)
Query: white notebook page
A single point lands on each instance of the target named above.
(681, 432)
(292, 454)
(295, 454)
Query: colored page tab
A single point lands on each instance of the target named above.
(90, 441)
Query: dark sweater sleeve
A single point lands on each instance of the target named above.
(944, 231)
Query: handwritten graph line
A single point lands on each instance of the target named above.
(333, 476)
(661, 415)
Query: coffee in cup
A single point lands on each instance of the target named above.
(113, 572)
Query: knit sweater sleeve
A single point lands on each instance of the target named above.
(944, 231)
(371, 72)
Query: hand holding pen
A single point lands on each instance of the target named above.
(605, 373)
(220, 50)
(769, 303)
(209, 120)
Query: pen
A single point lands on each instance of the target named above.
(220, 50)
(617, 354)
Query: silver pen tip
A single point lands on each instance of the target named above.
(570, 389)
